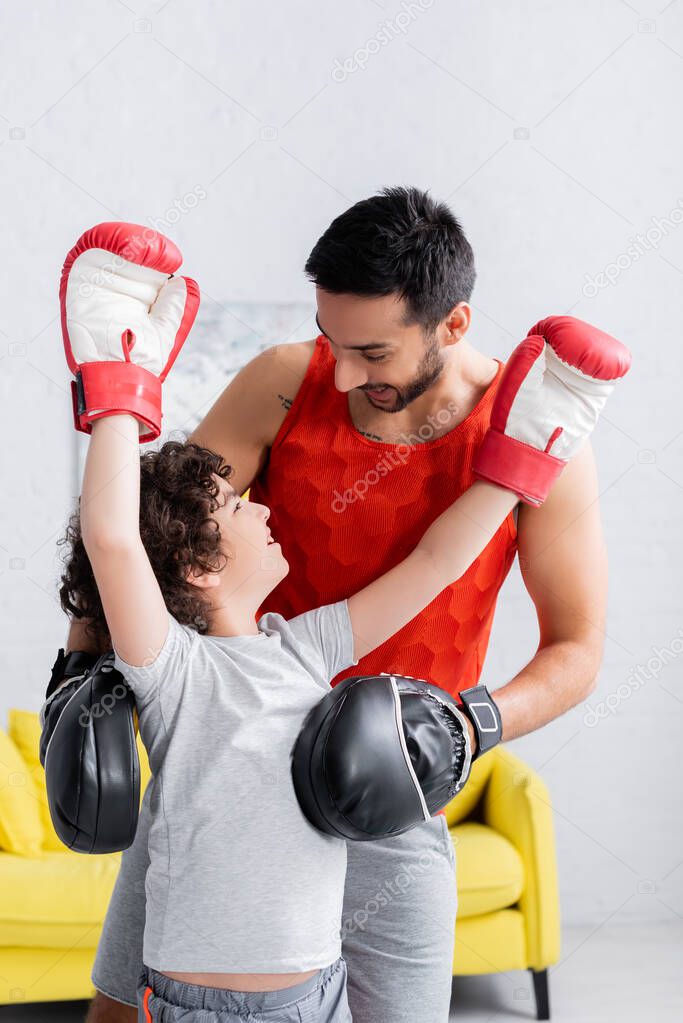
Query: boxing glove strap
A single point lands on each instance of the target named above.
(517, 466)
(66, 666)
(110, 388)
(485, 717)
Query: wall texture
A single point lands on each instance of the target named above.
(241, 129)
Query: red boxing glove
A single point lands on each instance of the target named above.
(124, 320)
(550, 396)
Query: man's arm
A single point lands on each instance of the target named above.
(79, 639)
(243, 423)
(564, 566)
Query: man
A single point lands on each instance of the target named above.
(357, 441)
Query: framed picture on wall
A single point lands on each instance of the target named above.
(223, 339)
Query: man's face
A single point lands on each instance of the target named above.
(376, 353)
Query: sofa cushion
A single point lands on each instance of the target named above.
(21, 827)
(490, 871)
(55, 901)
(24, 729)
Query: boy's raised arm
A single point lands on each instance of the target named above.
(554, 387)
(446, 551)
(133, 603)
(125, 317)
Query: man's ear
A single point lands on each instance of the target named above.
(457, 322)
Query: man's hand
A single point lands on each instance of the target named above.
(473, 737)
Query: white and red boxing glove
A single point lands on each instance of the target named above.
(550, 396)
(124, 320)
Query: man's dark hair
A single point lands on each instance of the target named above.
(397, 242)
(177, 498)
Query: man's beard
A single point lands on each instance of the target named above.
(428, 372)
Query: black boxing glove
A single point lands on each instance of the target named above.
(379, 754)
(89, 752)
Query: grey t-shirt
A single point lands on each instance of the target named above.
(238, 881)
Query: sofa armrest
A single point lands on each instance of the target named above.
(516, 803)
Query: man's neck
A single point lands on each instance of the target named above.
(466, 376)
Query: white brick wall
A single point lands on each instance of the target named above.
(553, 131)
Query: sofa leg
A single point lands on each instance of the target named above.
(541, 993)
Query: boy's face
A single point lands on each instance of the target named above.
(256, 563)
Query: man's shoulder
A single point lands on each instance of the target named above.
(265, 388)
(287, 363)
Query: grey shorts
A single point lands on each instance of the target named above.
(322, 999)
(398, 925)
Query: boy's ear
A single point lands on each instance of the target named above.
(202, 580)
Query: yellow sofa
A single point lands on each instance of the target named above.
(508, 915)
(53, 901)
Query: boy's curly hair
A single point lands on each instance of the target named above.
(177, 497)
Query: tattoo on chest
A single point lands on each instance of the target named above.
(370, 436)
(285, 402)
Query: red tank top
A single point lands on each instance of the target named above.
(346, 509)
